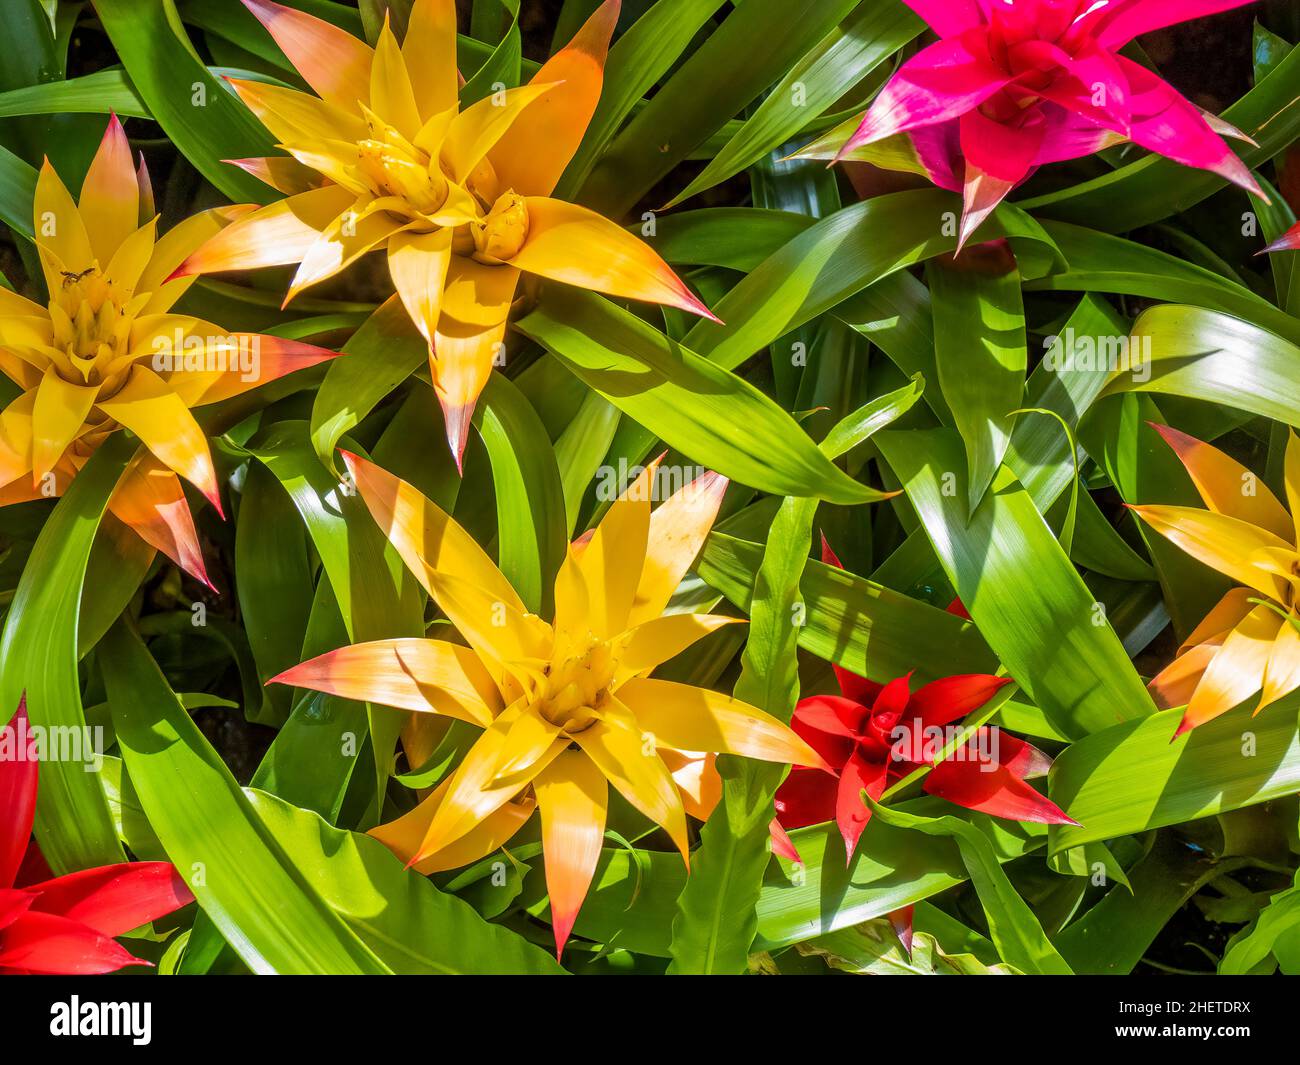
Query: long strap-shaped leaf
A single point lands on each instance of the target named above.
(264, 905)
(38, 654)
(1020, 587)
(1014, 929)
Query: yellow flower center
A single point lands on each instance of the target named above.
(91, 320)
(575, 689)
(393, 167)
(500, 236)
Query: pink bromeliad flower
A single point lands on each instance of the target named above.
(1014, 84)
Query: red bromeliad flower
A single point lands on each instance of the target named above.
(1014, 84)
(66, 924)
(873, 735)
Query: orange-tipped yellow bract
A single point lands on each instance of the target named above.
(108, 351)
(567, 706)
(1251, 640)
(385, 158)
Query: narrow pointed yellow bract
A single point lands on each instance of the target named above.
(108, 352)
(460, 200)
(567, 705)
(1251, 639)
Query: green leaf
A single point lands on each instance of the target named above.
(869, 35)
(854, 622)
(1202, 354)
(1019, 587)
(698, 408)
(409, 924)
(705, 91)
(1102, 263)
(199, 114)
(981, 355)
(38, 655)
(1279, 919)
(1014, 929)
(273, 580)
(1111, 938)
(633, 896)
(380, 355)
(843, 254)
(872, 949)
(99, 93)
(636, 62)
(264, 904)
(17, 191)
(531, 533)
(1131, 777)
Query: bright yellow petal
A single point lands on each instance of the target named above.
(418, 264)
(128, 264)
(573, 798)
(1292, 473)
(473, 794)
(528, 739)
(59, 229)
(341, 244)
(271, 236)
(57, 419)
(1226, 616)
(533, 155)
(405, 835)
(471, 331)
(427, 676)
(16, 439)
(618, 746)
(110, 195)
(1221, 542)
(427, 538)
(298, 116)
(1227, 486)
(476, 130)
(697, 719)
(159, 417)
(613, 557)
(678, 529)
(1282, 676)
(454, 570)
(13, 305)
(696, 777)
(655, 641)
(391, 96)
(1237, 671)
(1176, 683)
(330, 60)
(579, 247)
(430, 53)
(572, 609)
(149, 499)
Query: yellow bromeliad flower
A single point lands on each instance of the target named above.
(567, 707)
(1251, 639)
(384, 159)
(107, 352)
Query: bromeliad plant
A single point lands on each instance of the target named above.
(567, 707)
(459, 198)
(964, 283)
(108, 352)
(1013, 85)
